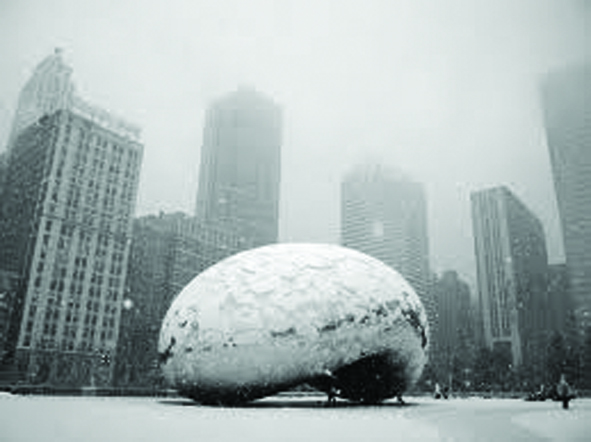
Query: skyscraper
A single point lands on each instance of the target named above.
(49, 89)
(8, 289)
(511, 262)
(567, 112)
(559, 317)
(3, 172)
(455, 339)
(240, 169)
(69, 197)
(384, 214)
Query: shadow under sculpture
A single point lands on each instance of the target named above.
(271, 318)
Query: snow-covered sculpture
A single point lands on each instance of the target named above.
(271, 318)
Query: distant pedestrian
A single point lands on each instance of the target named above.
(437, 393)
(564, 392)
(541, 394)
(332, 396)
(331, 390)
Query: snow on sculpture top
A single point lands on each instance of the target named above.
(281, 314)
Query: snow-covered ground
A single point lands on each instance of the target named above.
(43, 418)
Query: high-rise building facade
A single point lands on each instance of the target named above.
(3, 173)
(167, 252)
(69, 198)
(511, 263)
(566, 98)
(560, 313)
(384, 214)
(240, 169)
(48, 90)
(455, 339)
(8, 293)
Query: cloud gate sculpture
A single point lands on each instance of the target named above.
(271, 318)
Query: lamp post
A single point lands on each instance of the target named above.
(127, 305)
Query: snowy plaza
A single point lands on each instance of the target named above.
(53, 418)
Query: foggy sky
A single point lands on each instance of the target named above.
(444, 90)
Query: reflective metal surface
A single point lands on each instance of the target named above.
(277, 316)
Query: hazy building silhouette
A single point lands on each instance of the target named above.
(65, 228)
(567, 111)
(48, 90)
(477, 316)
(558, 301)
(384, 214)
(240, 169)
(455, 338)
(167, 252)
(512, 262)
(3, 172)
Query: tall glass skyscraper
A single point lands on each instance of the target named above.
(566, 98)
(384, 214)
(512, 266)
(240, 171)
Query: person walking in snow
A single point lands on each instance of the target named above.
(564, 392)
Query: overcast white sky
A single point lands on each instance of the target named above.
(445, 90)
